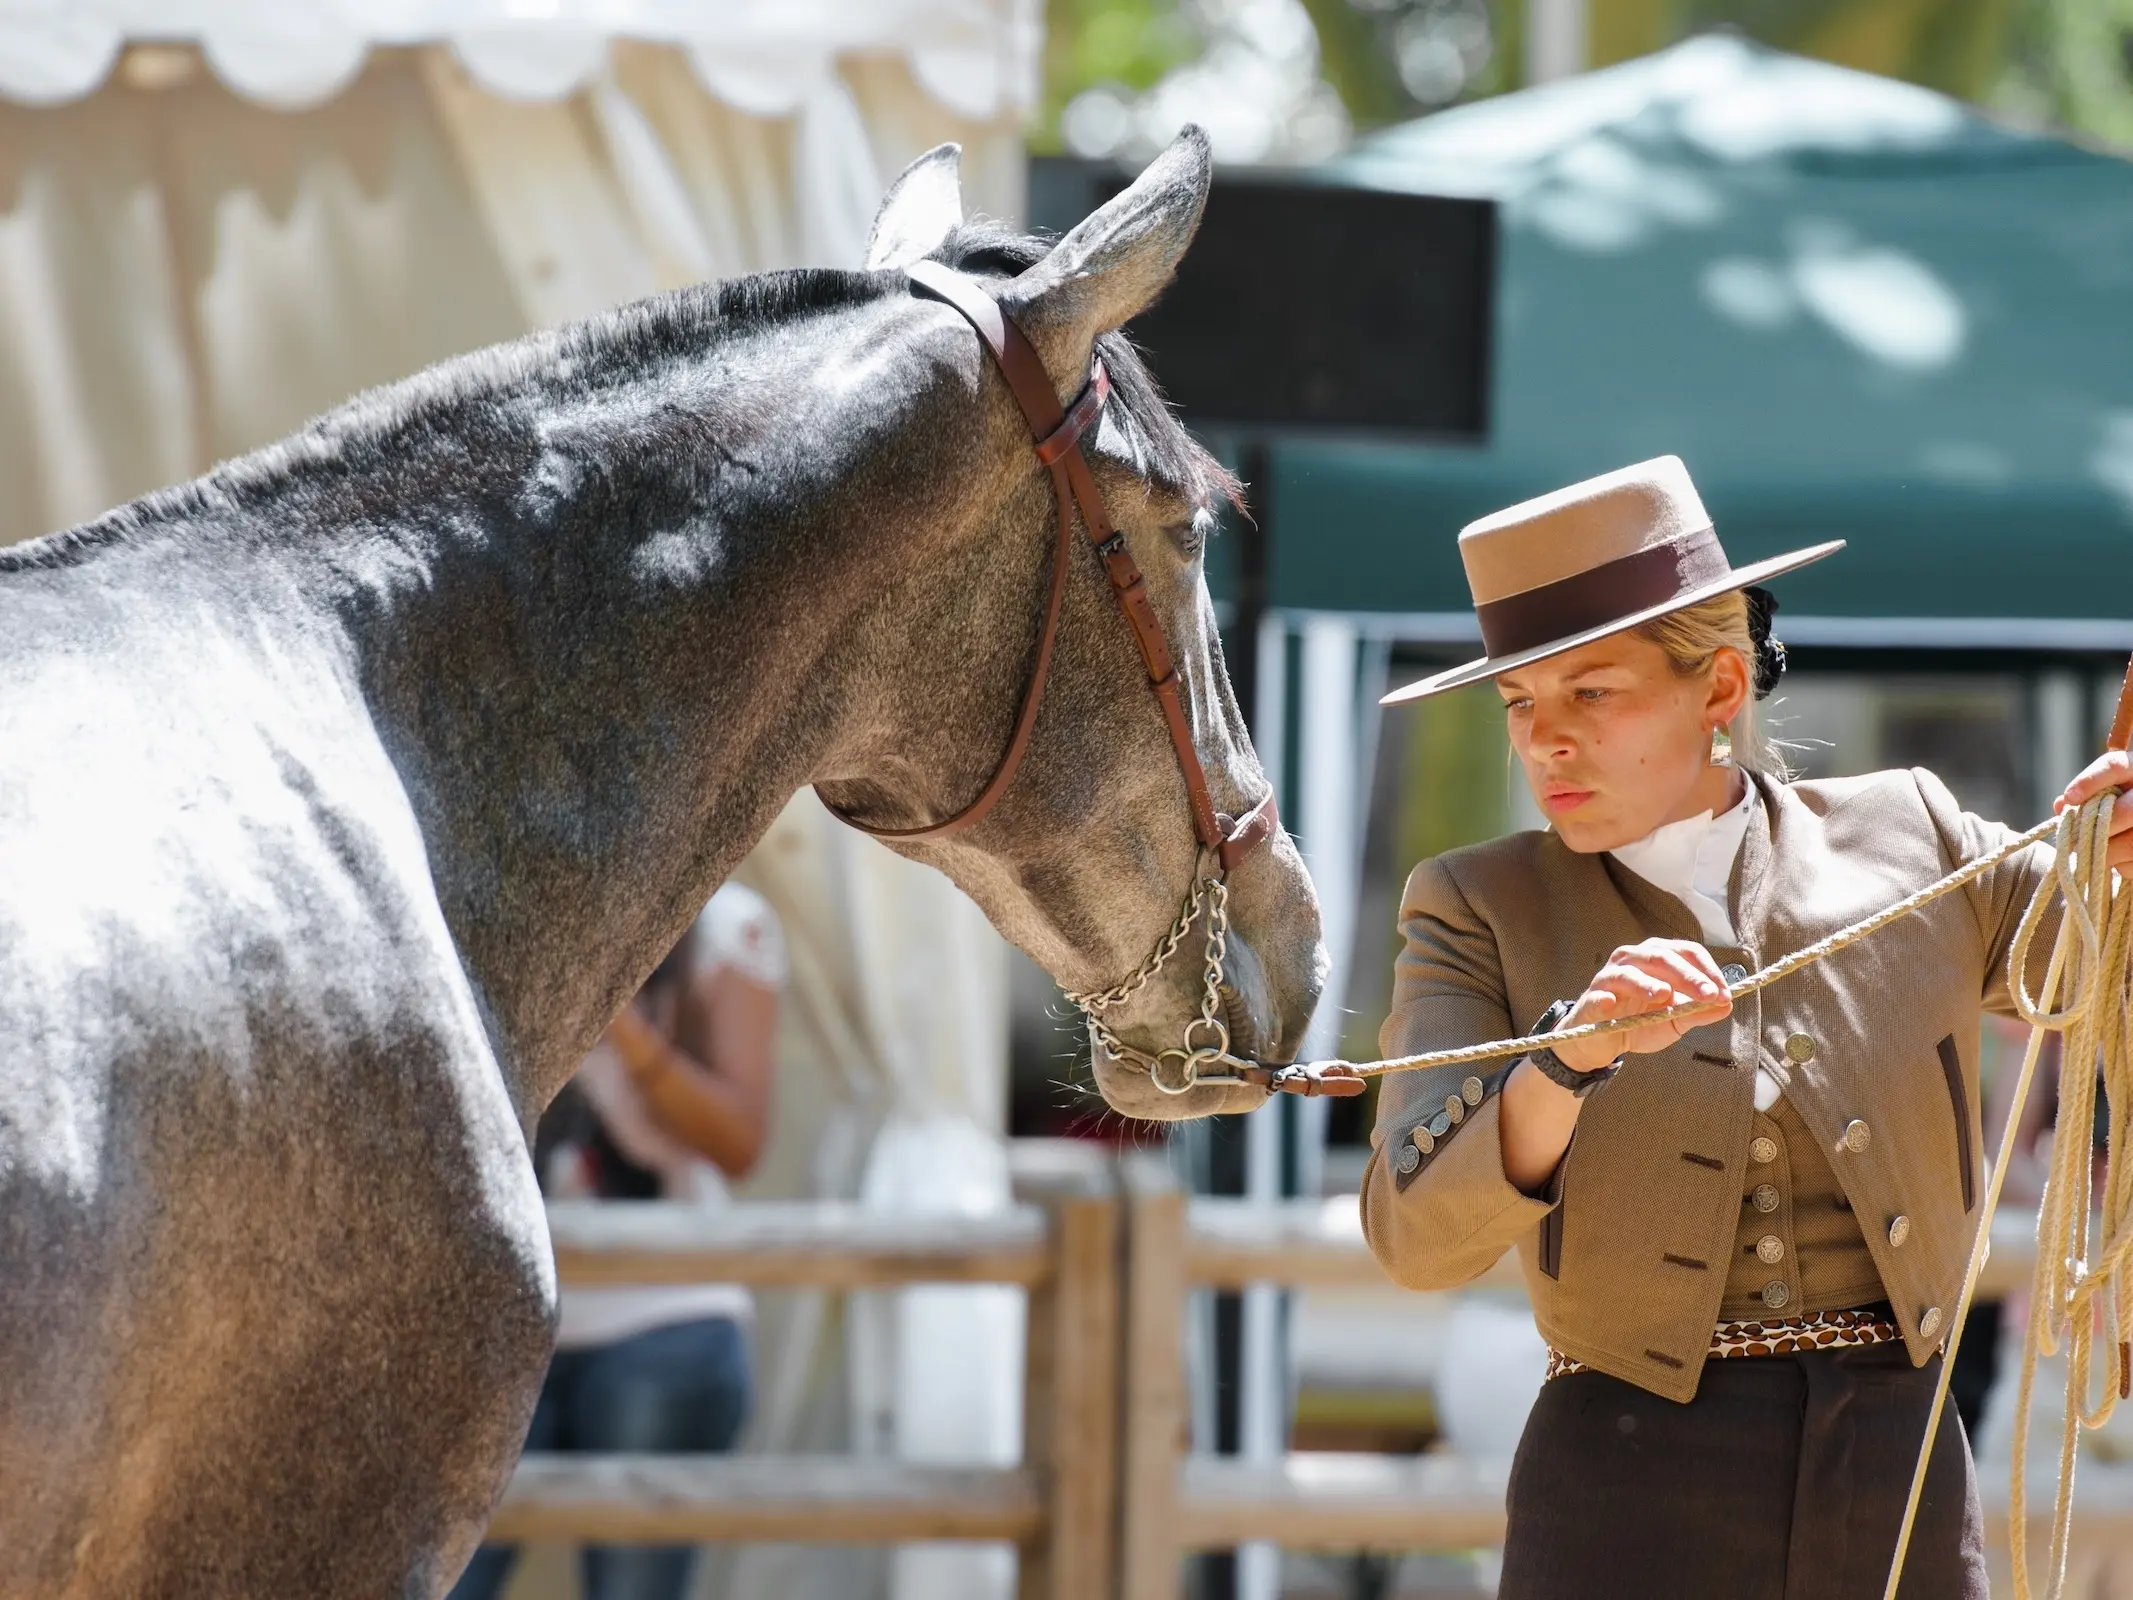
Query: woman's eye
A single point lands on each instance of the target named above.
(1592, 696)
(1514, 707)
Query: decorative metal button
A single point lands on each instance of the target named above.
(1857, 1136)
(1775, 1294)
(1472, 1090)
(1799, 1048)
(1762, 1151)
(1770, 1249)
(1423, 1140)
(1409, 1158)
(1899, 1230)
(1455, 1108)
(1732, 972)
(1929, 1324)
(1765, 1198)
(1440, 1124)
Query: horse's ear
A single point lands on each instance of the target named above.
(923, 206)
(1112, 267)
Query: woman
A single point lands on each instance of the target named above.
(1743, 1231)
(673, 1101)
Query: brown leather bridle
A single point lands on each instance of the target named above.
(1057, 433)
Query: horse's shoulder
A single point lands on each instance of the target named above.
(183, 855)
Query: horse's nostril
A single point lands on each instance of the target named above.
(1237, 1015)
(1247, 1006)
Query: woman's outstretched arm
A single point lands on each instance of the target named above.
(705, 1070)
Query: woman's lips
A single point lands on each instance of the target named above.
(1565, 799)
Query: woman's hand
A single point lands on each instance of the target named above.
(639, 1041)
(2111, 770)
(1638, 978)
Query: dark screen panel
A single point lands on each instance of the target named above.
(1304, 307)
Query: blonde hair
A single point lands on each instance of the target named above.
(1692, 638)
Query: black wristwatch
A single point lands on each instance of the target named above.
(1555, 1068)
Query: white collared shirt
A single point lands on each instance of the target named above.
(1692, 860)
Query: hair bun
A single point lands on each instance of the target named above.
(1769, 652)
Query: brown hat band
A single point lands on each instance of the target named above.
(1602, 594)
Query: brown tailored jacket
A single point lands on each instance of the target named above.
(1625, 1256)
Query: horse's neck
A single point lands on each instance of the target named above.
(594, 725)
(605, 632)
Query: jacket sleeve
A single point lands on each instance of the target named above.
(1440, 1218)
(2001, 896)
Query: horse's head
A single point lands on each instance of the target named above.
(1089, 853)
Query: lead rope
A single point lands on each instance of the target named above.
(1762, 978)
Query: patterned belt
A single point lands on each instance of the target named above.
(1825, 1330)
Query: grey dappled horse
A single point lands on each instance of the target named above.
(346, 792)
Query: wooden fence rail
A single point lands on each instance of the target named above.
(1108, 1497)
(1060, 1242)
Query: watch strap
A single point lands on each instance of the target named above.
(1555, 1068)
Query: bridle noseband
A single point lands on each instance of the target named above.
(1224, 841)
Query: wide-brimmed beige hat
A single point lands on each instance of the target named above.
(1551, 574)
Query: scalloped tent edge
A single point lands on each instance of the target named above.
(978, 58)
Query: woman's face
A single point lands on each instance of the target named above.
(1615, 742)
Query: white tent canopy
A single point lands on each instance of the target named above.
(764, 57)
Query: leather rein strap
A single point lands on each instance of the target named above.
(1057, 434)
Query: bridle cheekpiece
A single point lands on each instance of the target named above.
(1056, 433)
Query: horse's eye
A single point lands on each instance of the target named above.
(1191, 534)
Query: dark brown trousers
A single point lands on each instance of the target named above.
(1784, 1479)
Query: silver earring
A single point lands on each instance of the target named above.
(1721, 746)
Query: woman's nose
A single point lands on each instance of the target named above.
(1545, 736)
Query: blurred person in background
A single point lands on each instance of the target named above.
(672, 1102)
(1745, 1246)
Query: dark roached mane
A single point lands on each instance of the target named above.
(361, 434)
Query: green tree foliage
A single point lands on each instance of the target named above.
(2068, 62)
(1353, 58)
(1131, 43)
(2073, 64)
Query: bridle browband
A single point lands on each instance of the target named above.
(1057, 433)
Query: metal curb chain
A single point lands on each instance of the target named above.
(1211, 895)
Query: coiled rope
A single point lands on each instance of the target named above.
(2080, 1280)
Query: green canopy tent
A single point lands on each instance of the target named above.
(1857, 310)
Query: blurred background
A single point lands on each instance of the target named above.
(1867, 265)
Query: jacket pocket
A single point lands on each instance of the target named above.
(1951, 1066)
(1551, 1227)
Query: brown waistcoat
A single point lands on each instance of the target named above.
(1799, 1248)
(1628, 1254)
